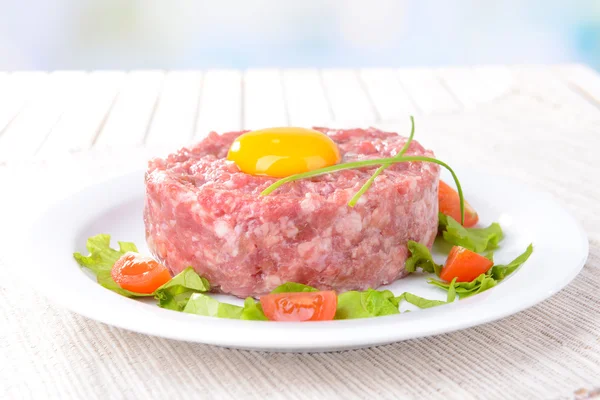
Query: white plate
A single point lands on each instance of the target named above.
(115, 207)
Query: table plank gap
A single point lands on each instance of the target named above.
(192, 135)
(176, 112)
(347, 97)
(543, 91)
(498, 80)
(305, 98)
(327, 96)
(79, 125)
(221, 105)
(127, 122)
(286, 108)
(104, 120)
(263, 99)
(428, 92)
(154, 109)
(17, 89)
(370, 101)
(5, 117)
(582, 80)
(451, 92)
(476, 87)
(389, 98)
(30, 128)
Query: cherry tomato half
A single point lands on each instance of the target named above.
(449, 203)
(464, 265)
(139, 274)
(302, 306)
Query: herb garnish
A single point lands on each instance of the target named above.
(383, 164)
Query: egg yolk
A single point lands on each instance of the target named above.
(281, 152)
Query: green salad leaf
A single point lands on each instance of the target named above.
(293, 287)
(485, 281)
(422, 302)
(465, 289)
(201, 304)
(500, 272)
(253, 310)
(184, 292)
(175, 294)
(370, 303)
(474, 239)
(101, 259)
(420, 257)
(419, 301)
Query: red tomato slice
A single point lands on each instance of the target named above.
(139, 274)
(302, 306)
(449, 203)
(464, 265)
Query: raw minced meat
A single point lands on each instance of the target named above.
(202, 211)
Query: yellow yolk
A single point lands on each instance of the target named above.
(281, 152)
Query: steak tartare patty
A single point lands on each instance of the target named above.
(202, 211)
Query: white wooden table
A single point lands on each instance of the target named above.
(51, 113)
(536, 124)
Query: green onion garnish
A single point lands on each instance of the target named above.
(379, 170)
(383, 164)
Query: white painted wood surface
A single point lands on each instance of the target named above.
(80, 124)
(263, 99)
(305, 98)
(46, 114)
(220, 106)
(129, 120)
(175, 115)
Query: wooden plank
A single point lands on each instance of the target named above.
(220, 106)
(264, 103)
(128, 121)
(6, 115)
(546, 92)
(583, 79)
(498, 79)
(391, 102)
(348, 100)
(175, 117)
(466, 86)
(27, 132)
(428, 91)
(15, 90)
(79, 125)
(305, 98)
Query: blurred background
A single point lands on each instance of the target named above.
(127, 34)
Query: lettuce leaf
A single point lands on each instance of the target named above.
(465, 289)
(420, 257)
(422, 302)
(175, 294)
(292, 287)
(419, 301)
(201, 304)
(101, 260)
(253, 310)
(370, 303)
(499, 272)
(474, 239)
(485, 281)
